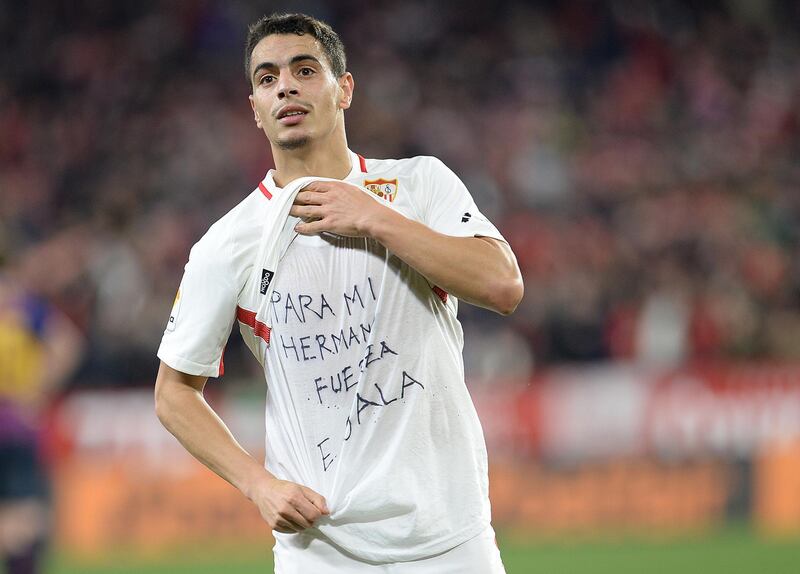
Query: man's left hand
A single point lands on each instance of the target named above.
(336, 207)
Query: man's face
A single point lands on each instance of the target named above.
(296, 97)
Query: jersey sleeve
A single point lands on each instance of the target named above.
(203, 312)
(449, 207)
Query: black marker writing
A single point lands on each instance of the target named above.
(408, 381)
(383, 399)
(349, 426)
(306, 308)
(363, 404)
(325, 455)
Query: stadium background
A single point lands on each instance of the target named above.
(642, 406)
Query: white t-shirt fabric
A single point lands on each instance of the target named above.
(366, 401)
(309, 554)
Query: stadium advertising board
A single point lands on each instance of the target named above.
(576, 450)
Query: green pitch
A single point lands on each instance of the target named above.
(732, 551)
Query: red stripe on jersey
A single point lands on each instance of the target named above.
(363, 163)
(249, 318)
(440, 292)
(264, 190)
(222, 362)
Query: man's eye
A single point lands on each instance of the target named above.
(266, 79)
(306, 71)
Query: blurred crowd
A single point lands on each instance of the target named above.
(643, 160)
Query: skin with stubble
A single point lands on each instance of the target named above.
(299, 104)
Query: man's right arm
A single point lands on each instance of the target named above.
(183, 410)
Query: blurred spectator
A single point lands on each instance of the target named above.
(641, 159)
(39, 348)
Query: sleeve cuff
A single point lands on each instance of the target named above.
(474, 231)
(189, 367)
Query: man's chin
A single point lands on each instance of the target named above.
(292, 143)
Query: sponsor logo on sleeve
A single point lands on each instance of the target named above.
(266, 279)
(173, 315)
(466, 217)
(383, 188)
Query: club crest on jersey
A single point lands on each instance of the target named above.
(383, 188)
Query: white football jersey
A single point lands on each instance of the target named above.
(366, 401)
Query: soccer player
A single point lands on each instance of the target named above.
(39, 349)
(375, 458)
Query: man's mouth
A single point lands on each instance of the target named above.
(291, 116)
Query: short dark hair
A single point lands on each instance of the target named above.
(299, 24)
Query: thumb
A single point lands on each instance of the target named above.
(316, 499)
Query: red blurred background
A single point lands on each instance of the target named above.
(641, 159)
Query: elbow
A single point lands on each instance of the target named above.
(171, 392)
(507, 294)
(506, 291)
(161, 402)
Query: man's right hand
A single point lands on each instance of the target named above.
(181, 407)
(288, 507)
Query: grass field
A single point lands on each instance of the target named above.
(732, 551)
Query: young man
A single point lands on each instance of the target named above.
(375, 458)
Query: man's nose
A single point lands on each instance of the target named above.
(287, 86)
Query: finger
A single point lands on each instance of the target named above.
(305, 211)
(311, 227)
(309, 198)
(316, 186)
(296, 519)
(310, 512)
(316, 499)
(285, 527)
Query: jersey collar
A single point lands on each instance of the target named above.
(358, 165)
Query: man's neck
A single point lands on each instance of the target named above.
(332, 161)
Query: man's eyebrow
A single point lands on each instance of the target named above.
(301, 57)
(294, 60)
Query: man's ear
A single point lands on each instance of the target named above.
(255, 111)
(346, 86)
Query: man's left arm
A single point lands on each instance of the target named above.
(479, 270)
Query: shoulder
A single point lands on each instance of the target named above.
(409, 166)
(240, 226)
(37, 313)
(23, 309)
(408, 185)
(417, 176)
